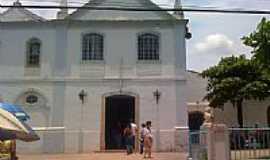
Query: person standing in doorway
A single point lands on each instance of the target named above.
(134, 130)
(117, 135)
(128, 139)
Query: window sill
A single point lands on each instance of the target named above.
(148, 61)
(31, 71)
(32, 66)
(89, 62)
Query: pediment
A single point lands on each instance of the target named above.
(115, 15)
(18, 15)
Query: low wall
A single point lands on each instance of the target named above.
(181, 139)
(51, 141)
(59, 140)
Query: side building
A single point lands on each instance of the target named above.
(254, 112)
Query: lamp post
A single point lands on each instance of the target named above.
(82, 96)
(157, 96)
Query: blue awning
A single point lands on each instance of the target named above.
(16, 110)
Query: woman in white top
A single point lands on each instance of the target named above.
(148, 140)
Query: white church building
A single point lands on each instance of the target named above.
(82, 75)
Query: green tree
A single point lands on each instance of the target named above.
(235, 79)
(259, 40)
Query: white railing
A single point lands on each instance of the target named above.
(249, 143)
(197, 145)
(48, 128)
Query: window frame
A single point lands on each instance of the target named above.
(150, 60)
(95, 60)
(29, 43)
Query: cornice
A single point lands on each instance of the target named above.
(83, 80)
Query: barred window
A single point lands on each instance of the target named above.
(33, 52)
(92, 47)
(148, 47)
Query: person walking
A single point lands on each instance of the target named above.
(142, 135)
(148, 140)
(128, 139)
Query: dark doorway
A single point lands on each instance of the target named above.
(195, 120)
(120, 109)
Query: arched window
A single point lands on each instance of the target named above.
(33, 52)
(148, 46)
(36, 105)
(92, 47)
(31, 99)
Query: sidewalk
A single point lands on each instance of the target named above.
(103, 156)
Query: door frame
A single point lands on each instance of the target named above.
(103, 115)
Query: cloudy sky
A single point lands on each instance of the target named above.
(214, 35)
(219, 35)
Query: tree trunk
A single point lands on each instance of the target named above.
(240, 112)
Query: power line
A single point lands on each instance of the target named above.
(136, 6)
(114, 3)
(93, 3)
(106, 4)
(141, 9)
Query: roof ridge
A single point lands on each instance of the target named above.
(141, 3)
(193, 71)
(157, 6)
(35, 16)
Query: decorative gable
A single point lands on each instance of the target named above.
(116, 15)
(19, 14)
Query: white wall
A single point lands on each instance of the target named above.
(92, 110)
(13, 48)
(254, 112)
(196, 87)
(61, 43)
(124, 36)
(62, 77)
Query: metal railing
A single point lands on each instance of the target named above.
(249, 143)
(198, 145)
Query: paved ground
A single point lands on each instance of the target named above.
(103, 156)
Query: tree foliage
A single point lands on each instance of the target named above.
(259, 40)
(235, 79)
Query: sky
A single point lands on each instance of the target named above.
(213, 35)
(219, 35)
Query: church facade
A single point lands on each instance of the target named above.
(83, 76)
